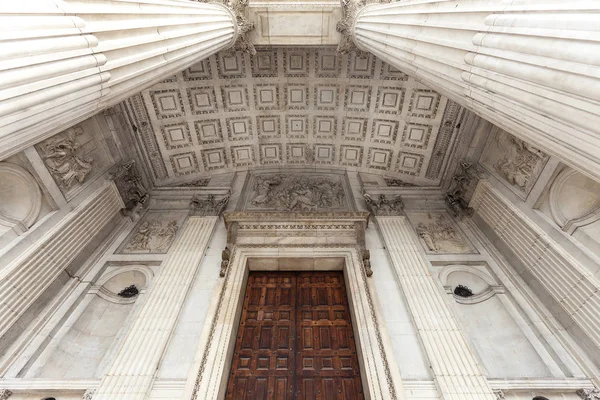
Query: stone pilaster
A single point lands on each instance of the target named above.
(66, 60)
(575, 289)
(132, 372)
(530, 67)
(454, 367)
(26, 278)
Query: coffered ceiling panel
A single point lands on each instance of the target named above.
(293, 106)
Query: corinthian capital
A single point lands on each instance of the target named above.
(350, 9)
(245, 26)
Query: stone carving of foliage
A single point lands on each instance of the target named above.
(383, 206)
(350, 9)
(208, 205)
(589, 394)
(287, 192)
(5, 394)
(63, 156)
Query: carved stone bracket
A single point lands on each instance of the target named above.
(462, 185)
(366, 260)
(350, 9)
(383, 206)
(225, 258)
(5, 394)
(131, 188)
(202, 206)
(589, 394)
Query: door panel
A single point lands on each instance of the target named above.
(295, 340)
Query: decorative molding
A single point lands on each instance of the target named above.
(208, 205)
(131, 188)
(449, 128)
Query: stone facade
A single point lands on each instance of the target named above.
(470, 250)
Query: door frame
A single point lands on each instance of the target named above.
(209, 373)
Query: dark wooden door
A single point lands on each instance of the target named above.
(295, 340)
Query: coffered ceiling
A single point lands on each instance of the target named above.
(293, 106)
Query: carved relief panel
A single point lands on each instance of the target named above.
(76, 156)
(515, 162)
(298, 191)
(439, 234)
(154, 233)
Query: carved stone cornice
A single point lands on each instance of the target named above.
(296, 228)
(202, 206)
(589, 394)
(250, 216)
(383, 206)
(350, 9)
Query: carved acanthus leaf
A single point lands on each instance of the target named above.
(350, 9)
(245, 26)
(5, 394)
(383, 206)
(589, 394)
(208, 205)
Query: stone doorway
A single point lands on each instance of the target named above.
(295, 339)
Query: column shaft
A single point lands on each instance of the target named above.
(62, 61)
(454, 367)
(132, 372)
(532, 67)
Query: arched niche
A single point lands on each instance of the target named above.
(20, 198)
(574, 200)
(89, 338)
(112, 283)
(481, 285)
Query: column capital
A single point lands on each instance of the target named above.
(350, 12)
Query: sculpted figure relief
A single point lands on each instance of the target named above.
(152, 237)
(297, 192)
(440, 235)
(62, 155)
(521, 163)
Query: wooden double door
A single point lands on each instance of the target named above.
(295, 340)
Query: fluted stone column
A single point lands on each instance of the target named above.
(454, 367)
(131, 375)
(532, 67)
(62, 61)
